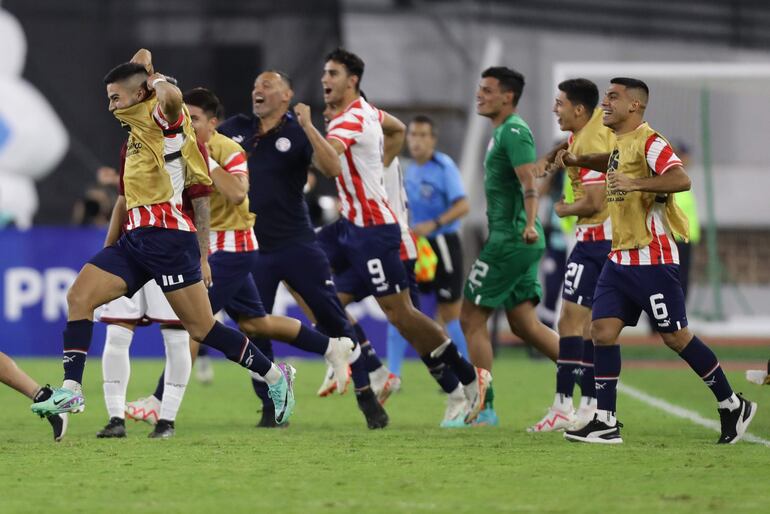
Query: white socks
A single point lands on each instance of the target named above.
(116, 369)
(177, 374)
(587, 402)
(607, 417)
(273, 376)
(731, 403)
(563, 403)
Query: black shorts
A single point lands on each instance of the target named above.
(448, 283)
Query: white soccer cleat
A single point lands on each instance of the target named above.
(204, 370)
(456, 405)
(337, 357)
(475, 393)
(329, 384)
(585, 413)
(758, 376)
(384, 383)
(144, 409)
(554, 420)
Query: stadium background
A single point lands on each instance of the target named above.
(422, 56)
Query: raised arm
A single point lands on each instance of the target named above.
(325, 154)
(169, 96)
(594, 161)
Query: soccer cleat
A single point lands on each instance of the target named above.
(476, 392)
(144, 409)
(282, 393)
(486, 418)
(164, 429)
(456, 422)
(585, 413)
(58, 422)
(596, 431)
(329, 384)
(60, 401)
(337, 357)
(554, 420)
(758, 376)
(115, 428)
(204, 370)
(375, 414)
(735, 422)
(384, 388)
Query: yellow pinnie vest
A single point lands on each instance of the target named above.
(146, 179)
(224, 214)
(629, 211)
(594, 137)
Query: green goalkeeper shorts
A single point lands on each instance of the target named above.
(504, 274)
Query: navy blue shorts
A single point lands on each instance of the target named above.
(349, 282)
(171, 257)
(372, 254)
(625, 291)
(584, 265)
(233, 287)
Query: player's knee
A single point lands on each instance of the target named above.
(601, 335)
(78, 300)
(678, 340)
(255, 327)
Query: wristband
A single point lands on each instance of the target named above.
(159, 79)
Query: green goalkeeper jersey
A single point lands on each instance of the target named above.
(511, 145)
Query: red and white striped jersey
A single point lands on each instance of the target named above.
(394, 187)
(360, 185)
(168, 214)
(659, 157)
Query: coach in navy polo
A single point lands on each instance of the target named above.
(280, 152)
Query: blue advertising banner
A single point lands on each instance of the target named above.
(38, 266)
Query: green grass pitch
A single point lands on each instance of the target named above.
(327, 461)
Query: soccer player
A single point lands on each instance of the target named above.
(159, 242)
(642, 274)
(437, 201)
(146, 306)
(233, 246)
(15, 378)
(576, 111)
(367, 238)
(505, 273)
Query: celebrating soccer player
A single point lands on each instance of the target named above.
(643, 269)
(576, 111)
(367, 238)
(505, 273)
(159, 242)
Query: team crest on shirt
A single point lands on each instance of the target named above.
(238, 139)
(282, 144)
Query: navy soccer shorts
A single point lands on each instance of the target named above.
(372, 254)
(584, 266)
(233, 287)
(171, 257)
(625, 291)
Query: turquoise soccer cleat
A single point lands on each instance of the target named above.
(456, 422)
(62, 400)
(282, 393)
(487, 418)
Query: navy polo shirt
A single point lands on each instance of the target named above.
(278, 166)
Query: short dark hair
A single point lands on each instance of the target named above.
(423, 118)
(124, 71)
(352, 63)
(581, 92)
(632, 84)
(284, 76)
(205, 100)
(510, 80)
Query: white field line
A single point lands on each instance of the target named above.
(681, 412)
